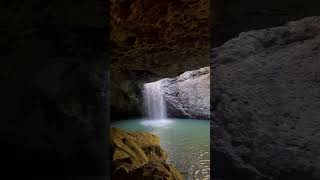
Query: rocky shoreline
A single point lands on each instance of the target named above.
(138, 155)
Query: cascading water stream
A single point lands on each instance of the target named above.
(154, 102)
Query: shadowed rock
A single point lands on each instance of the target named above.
(265, 104)
(54, 100)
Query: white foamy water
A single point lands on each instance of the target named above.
(157, 122)
(154, 102)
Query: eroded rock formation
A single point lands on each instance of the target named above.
(152, 40)
(138, 155)
(265, 104)
(188, 95)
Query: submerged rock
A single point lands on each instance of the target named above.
(188, 95)
(138, 155)
(265, 104)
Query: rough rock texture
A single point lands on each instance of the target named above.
(231, 17)
(54, 78)
(265, 104)
(138, 155)
(152, 40)
(148, 30)
(188, 95)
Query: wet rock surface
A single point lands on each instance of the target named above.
(188, 95)
(265, 104)
(138, 155)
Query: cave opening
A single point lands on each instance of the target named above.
(177, 111)
(160, 89)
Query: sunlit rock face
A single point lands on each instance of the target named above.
(185, 96)
(265, 104)
(152, 40)
(188, 95)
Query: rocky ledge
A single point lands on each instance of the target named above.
(265, 104)
(138, 155)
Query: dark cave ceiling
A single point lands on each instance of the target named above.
(152, 40)
(164, 37)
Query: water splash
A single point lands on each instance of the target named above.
(157, 123)
(154, 102)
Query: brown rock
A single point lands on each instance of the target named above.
(138, 155)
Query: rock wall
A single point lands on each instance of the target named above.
(265, 104)
(188, 95)
(54, 75)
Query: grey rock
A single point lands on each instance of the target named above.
(265, 104)
(234, 17)
(188, 95)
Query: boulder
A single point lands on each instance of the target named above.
(265, 104)
(188, 95)
(138, 155)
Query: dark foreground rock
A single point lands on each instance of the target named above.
(138, 155)
(54, 76)
(188, 95)
(265, 104)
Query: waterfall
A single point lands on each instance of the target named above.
(154, 102)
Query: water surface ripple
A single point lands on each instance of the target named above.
(187, 142)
